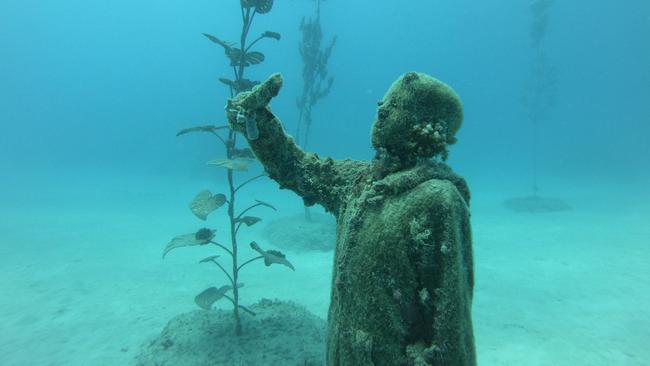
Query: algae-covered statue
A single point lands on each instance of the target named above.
(403, 273)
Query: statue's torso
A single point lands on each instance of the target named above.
(390, 239)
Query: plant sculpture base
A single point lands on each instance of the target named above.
(282, 333)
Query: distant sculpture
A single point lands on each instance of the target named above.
(316, 84)
(540, 97)
(541, 93)
(403, 273)
(315, 81)
(539, 10)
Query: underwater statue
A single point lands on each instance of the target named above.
(403, 273)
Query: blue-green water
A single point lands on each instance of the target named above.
(95, 183)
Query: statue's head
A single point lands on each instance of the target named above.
(417, 118)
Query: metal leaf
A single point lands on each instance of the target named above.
(250, 58)
(211, 258)
(261, 6)
(207, 128)
(228, 82)
(210, 295)
(234, 54)
(272, 256)
(201, 237)
(266, 204)
(249, 220)
(245, 85)
(239, 164)
(239, 85)
(270, 34)
(264, 6)
(254, 57)
(205, 203)
(225, 45)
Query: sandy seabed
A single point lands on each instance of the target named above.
(83, 282)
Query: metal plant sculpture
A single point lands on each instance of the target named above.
(241, 56)
(316, 84)
(543, 78)
(540, 97)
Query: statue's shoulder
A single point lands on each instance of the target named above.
(353, 171)
(441, 192)
(439, 171)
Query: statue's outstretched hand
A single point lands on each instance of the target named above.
(242, 111)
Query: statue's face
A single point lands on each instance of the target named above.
(418, 117)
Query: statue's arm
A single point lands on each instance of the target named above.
(316, 180)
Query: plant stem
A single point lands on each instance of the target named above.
(253, 43)
(233, 237)
(246, 15)
(307, 129)
(307, 214)
(302, 108)
(222, 247)
(248, 209)
(230, 143)
(225, 272)
(249, 180)
(535, 152)
(237, 228)
(241, 306)
(239, 76)
(248, 261)
(220, 138)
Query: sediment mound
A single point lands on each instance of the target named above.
(282, 333)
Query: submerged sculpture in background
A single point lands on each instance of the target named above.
(310, 231)
(237, 159)
(403, 275)
(540, 97)
(315, 81)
